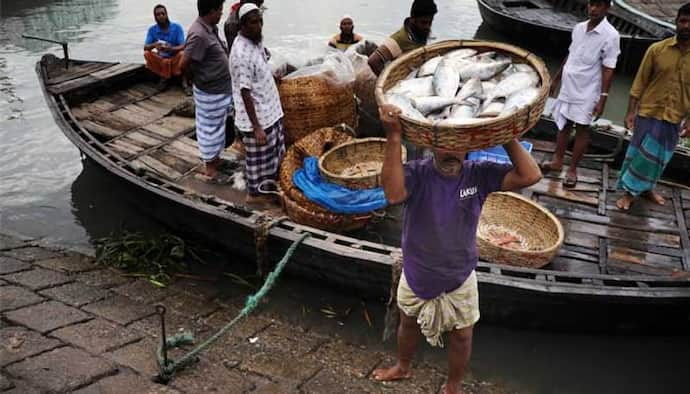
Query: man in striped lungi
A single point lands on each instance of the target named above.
(207, 55)
(258, 112)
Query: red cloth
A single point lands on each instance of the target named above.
(235, 7)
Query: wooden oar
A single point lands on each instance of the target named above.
(63, 43)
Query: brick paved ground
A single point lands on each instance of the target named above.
(69, 325)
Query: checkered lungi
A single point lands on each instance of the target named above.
(263, 161)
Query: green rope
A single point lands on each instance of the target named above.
(168, 370)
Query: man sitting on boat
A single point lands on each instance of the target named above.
(658, 111)
(258, 112)
(207, 56)
(586, 77)
(443, 198)
(347, 37)
(163, 46)
(414, 34)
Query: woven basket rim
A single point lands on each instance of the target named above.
(551, 216)
(535, 61)
(355, 141)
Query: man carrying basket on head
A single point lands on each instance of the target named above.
(443, 198)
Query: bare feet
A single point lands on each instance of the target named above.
(452, 389)
(395, 372)
(570, 180)
(624, 202)
(550, 166)
(654, 197)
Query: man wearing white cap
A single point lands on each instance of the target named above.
(258, 112)
(347, 36)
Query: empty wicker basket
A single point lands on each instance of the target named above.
(478, 135)
(311, 103)
(540, 233)
(356, 164)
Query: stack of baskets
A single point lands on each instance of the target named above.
(314, 102)
(480, 134)
(351, 153)
(298, 207)
(541, 230)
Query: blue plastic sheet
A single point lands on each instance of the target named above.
(334, 197)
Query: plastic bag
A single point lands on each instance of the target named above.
(365, 79)
(333, 197)
(335, 66)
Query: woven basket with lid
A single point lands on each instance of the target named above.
(481, 134)
(352, 153)
(313, 102)
(541, 230)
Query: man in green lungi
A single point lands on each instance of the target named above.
(658, 112)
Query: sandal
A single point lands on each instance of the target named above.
(547, 167)
(570, 181)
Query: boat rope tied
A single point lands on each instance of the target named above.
(263, 226)
(168, 367)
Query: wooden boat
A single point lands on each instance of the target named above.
(613, 141)
(550, 23)
(616, 270)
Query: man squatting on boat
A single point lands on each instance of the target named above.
(443, 198)
(586, 76)
(658, 112)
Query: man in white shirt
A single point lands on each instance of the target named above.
(586, 77)
(258, 112)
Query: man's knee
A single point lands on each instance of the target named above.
(408, 322)
(462, 336)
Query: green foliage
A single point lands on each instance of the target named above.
(156, 257)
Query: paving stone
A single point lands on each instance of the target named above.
(294, 340)
(348, 359)
(5, 383)
(126, 382)
(139, 356)
(206, 376)
(246, 328)
(2, 282)
(264, 385)
(190, 306)
(201, 290)
(38, 278)
(10, 265)
(71, 263)
(47, 316)
(75, 294)
(103, 278)
(424, 379)
(329, 381)
(62, 369)
(32, 253)
(8, 242)
(272, 363)
(19, 343)
(97, 336)
(21, 387)
(174, 323)
(120, 309)
(13, 297)
(144, 291)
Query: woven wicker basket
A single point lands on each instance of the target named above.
(311, 103)
(298, 207)
(351, 153)
(541, 230)
(482, 134)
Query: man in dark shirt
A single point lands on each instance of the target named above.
(207, 57)
(231, 27)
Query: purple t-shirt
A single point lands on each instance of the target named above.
(439, 239)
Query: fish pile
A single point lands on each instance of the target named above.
(504, 237)
(464, 87)
(363, 169)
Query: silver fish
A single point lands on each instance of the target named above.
(471, 88)
(482, 71)
(467, 109)
(415, 87)
(446, 80)
(427, 105)
(492, 110)
(486, 57)
(512, 84)
(522, 67)
(487, 87)
(429, 67)
(405, 106)
(460, 53)
(520, 99)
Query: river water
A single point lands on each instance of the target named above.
(46, 191)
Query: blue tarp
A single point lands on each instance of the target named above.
(334, 197)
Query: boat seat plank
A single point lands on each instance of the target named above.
(151, 164)
(668, 240)
(170, 126)
(113, 121)
(100, 129)
(152, 106)
(117, 69)
(175, 162)
(77, 72)
(136, 115)
(630, 268)
(72, 84)
(141, 139)
(170, 97)
(124, 148)
(182, 150)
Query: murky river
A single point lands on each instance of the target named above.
(46, 191)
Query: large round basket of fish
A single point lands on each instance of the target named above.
(297, 206)
(465, 95)
(356, 164)
(530, 236)
(318, 96)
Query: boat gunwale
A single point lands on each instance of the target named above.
(352, 247)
